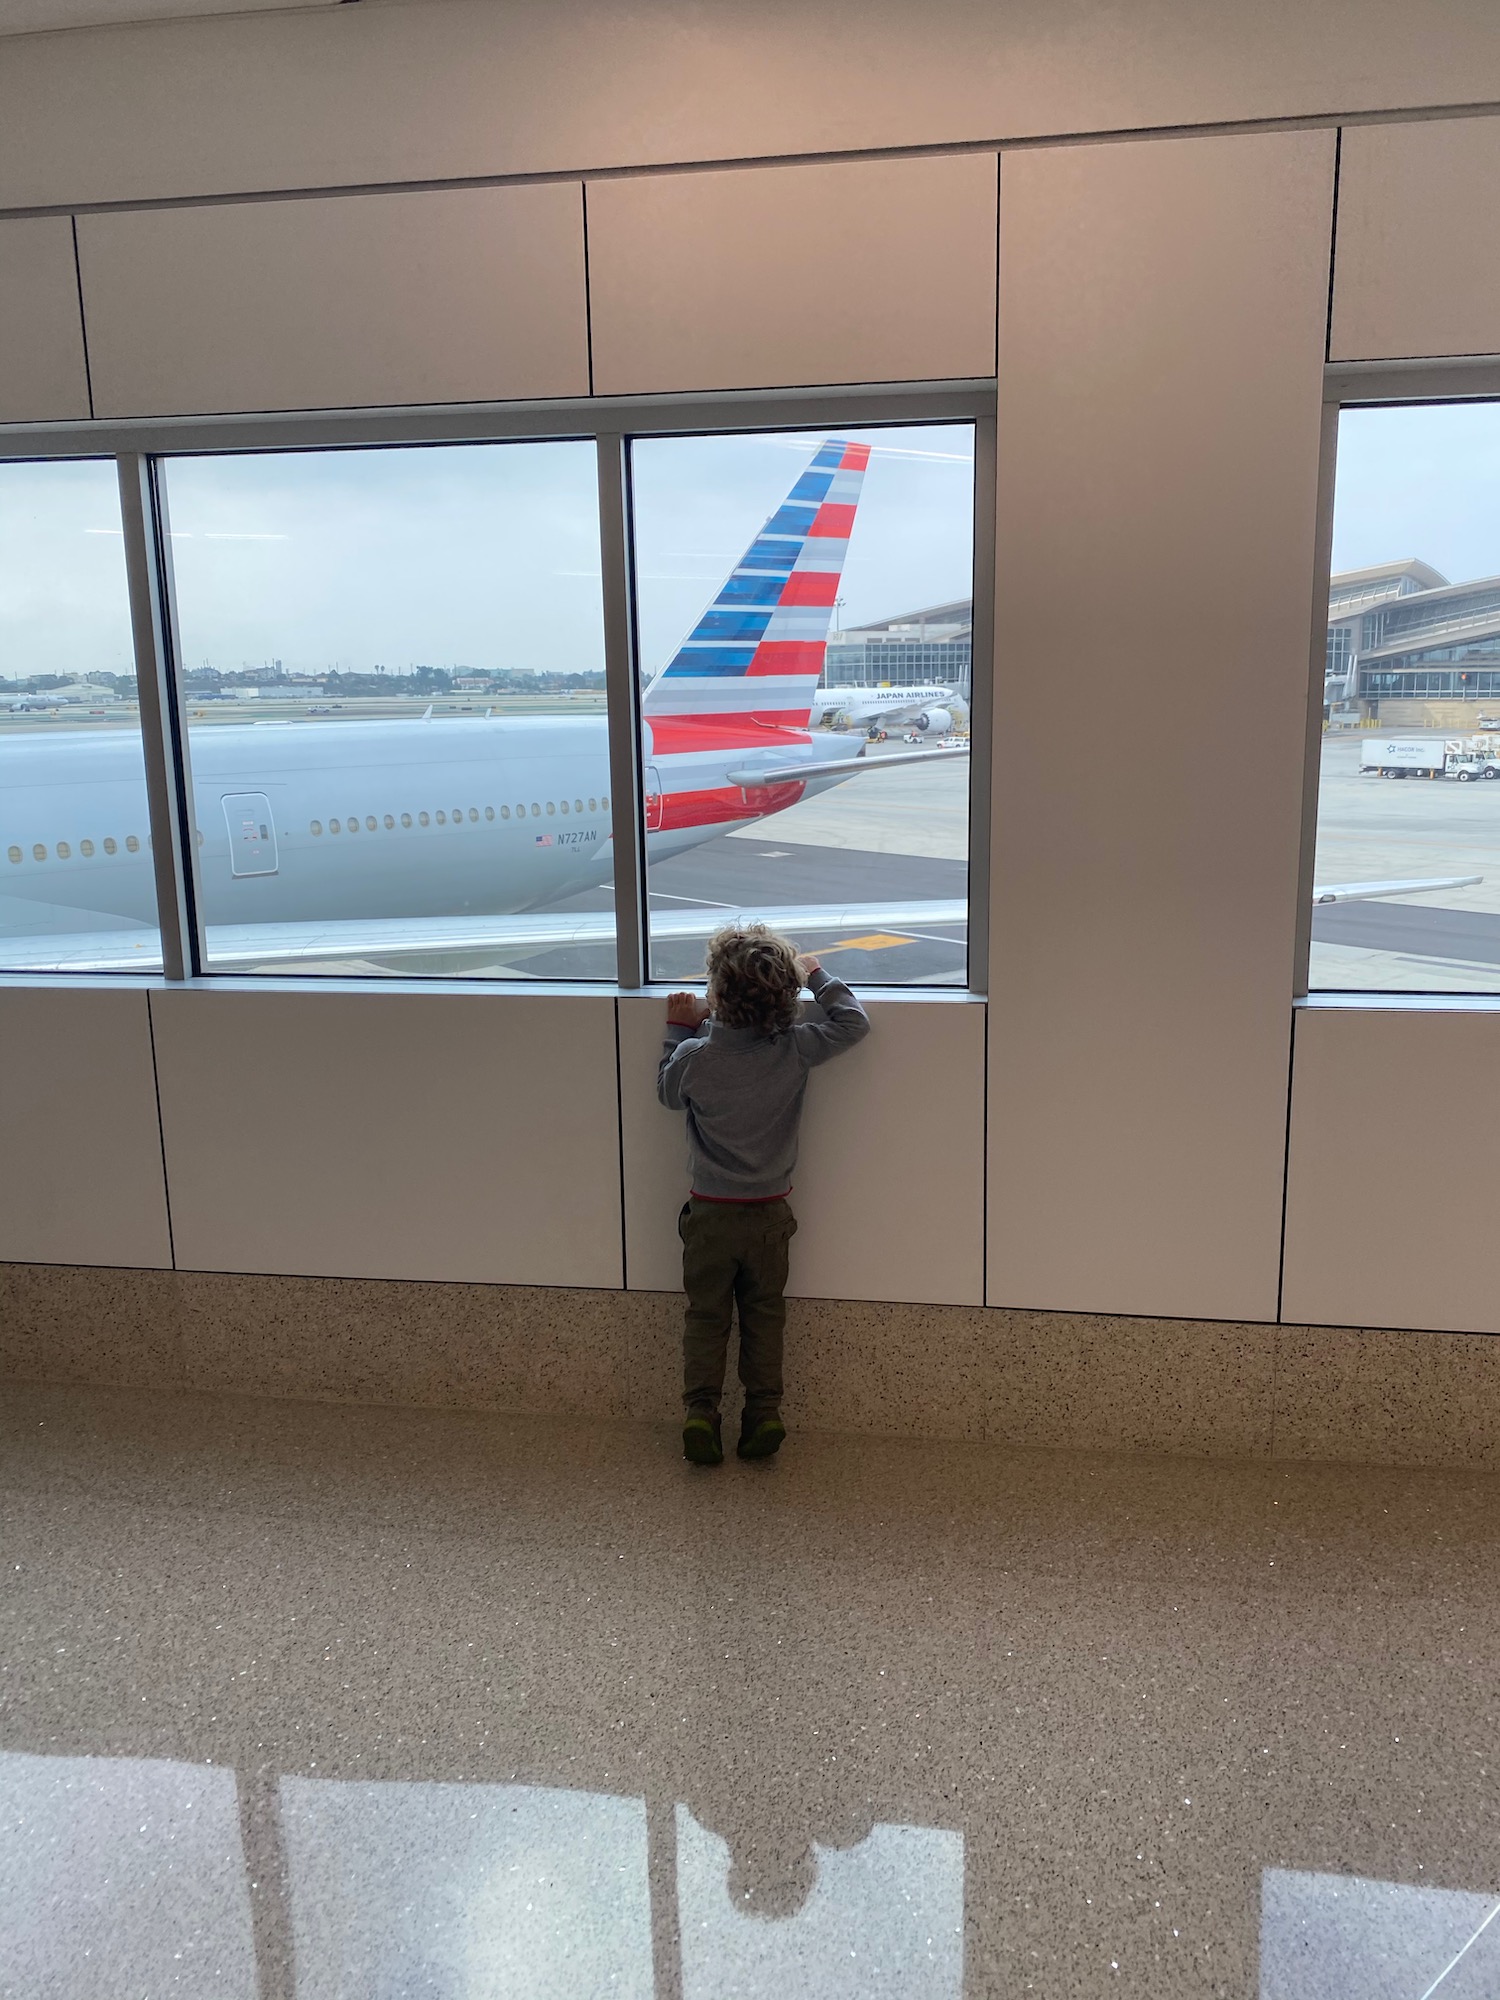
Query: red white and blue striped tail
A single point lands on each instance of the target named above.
(745, 675)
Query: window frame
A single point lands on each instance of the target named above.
(1365, 385)
(140, 448)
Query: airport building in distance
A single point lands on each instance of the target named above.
(916, 647)
(1401, 637)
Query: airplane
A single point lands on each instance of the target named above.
(71, 696)
(307, 838)
(927, 709)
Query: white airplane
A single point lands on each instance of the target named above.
(71, 696)
(435, 834)
(928, 709)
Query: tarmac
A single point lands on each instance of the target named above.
(890, 837)
(1379, 829)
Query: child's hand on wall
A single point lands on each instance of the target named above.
(686, 1010)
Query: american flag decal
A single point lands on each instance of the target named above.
(543, 840)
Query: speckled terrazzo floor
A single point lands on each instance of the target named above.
(299, 1702)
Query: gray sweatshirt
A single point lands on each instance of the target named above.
(742, 1092)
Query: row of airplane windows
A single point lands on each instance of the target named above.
(86, 848)
(372, 824)
(65, 851)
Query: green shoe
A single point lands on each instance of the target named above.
(700, 1438)
(763, 1438)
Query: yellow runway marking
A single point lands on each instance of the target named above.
(879, 941)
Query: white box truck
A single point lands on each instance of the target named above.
(1402, 757)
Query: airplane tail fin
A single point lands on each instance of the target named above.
(751, 663)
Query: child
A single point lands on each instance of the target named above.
(742, 1083)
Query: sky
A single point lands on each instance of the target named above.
(1420, 481)
(487, 555)
(699, 503)
(63, 606)
(472, 556)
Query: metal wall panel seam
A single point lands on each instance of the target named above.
(83, 323)
(1333, 243)
(1114, 135)
(620, 1148)
(588, 285)
(161, 1131)
(1286, 1161)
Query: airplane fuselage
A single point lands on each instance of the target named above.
(861, 704)
(332, 820)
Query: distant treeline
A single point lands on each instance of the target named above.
(420, 680)
(122, 685)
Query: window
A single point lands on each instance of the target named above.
(1340, 653)
(836, 807)
(71, 759)
(1407, 890)
(381, 625)
(366, 602)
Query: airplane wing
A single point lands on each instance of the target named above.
(1359, 892)
(302, 943)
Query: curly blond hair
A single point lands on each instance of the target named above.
(754, 980)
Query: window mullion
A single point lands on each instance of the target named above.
(623, 703)
(168, 786)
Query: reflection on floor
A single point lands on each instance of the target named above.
(299, 1703)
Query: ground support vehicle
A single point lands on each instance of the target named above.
(1463, 758)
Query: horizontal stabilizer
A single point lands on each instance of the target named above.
(841, 767)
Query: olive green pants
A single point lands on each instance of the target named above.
(734, 1253)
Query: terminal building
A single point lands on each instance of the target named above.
(910, 650)
(1402, 632)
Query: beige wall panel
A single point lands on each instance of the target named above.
(1416, 270)
(353, 96)
(80, 1167)
(1161, 336)
(453, 296)
(1391, 1188)
(400, 1135)
(785, 275)
(43, 375)
(889, 1183)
